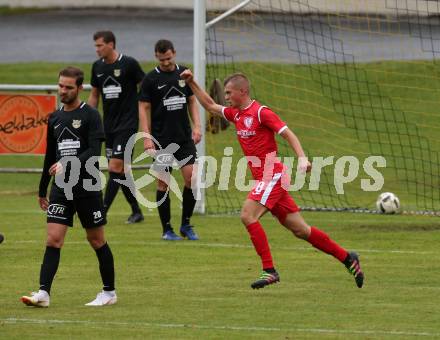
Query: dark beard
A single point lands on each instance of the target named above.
(68, 100)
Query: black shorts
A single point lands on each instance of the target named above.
(115, 143)
(90, 210)
(187, 149)
(186, 154)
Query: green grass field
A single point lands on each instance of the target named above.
(202, 289)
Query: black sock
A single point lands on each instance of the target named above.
(111, 190)
(49, 267)
(106, 267)
(188, 205)
(164, 210)
(131, 199)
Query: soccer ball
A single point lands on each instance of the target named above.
(388, 203)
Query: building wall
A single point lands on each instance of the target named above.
(350, 6)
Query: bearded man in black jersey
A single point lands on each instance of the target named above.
(164, 103)
(74, 137)
(115, 77)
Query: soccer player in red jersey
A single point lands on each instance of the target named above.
(256, 126)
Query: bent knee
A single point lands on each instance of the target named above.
(301, 232)
(247, 218)
(55, 242)
(95, 242)
(162, 186)
(116, 165)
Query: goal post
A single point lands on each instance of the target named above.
(200, 27)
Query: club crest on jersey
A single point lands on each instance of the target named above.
(248, 122)
(181, 83)
(117, 72)
(76, 123)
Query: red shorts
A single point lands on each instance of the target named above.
(274, 197)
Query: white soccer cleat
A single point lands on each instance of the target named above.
(104, 298)
(37, 299)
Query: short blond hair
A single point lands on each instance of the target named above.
(238, 79)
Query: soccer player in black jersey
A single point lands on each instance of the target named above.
(164, 103)
(115, 77)
(75, 131)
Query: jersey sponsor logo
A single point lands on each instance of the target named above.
(117, 72)
(245, 133)
(182, 83)
(248, 122)
(111, 88)
(68, 143)
(174, 99)
(161, 86)
(76, 123)
(100, 75)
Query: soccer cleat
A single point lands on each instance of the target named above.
(135, 218)
(104, 298)
(354, 267)
(265, 279)
(170, 236)
(37, 299)
(188, 232)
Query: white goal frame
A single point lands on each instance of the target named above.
(199, 61)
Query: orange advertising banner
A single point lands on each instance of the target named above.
(23, 122)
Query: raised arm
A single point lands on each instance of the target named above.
(93, 100)
(207, 102)
(292, 139)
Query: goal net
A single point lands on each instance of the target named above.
(353, 79)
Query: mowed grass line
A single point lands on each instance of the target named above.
(201, 289)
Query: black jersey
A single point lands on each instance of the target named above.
(118, 85)
(168, 95)
(76, 133)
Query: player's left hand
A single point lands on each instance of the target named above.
(55, 169)
(196, 135)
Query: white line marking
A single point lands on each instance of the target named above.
(229, 328)
(229, 245)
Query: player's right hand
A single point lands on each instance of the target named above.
(187, 75)
(56, 168)
(43, 202)
(304, 165)
(149, 147)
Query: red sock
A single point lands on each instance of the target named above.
(323, 242)
(259, 239)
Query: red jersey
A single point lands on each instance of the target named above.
(256, 126)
